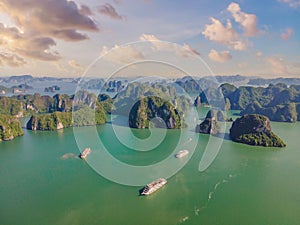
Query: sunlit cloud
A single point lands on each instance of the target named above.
(292, 3)
(37, 26)
(287, 34)
(219, 56)
(108, 10)
(85, 10)
(121, 54)
(277, 64)
(73, 63)
(247, 21)
(224, 35)
(158, 45)
(11, 60)
(258, 53)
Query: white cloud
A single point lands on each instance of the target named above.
(287, 34)
(158, 45)
(11, 60)
(121, 54)
(219, 56)
(74, 64)
(277, 64)
(247, 21)
(258, 53)
(292, 3)
(225, 35)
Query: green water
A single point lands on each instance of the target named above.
(245, 185)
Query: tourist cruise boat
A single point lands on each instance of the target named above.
(154, 186)
(181, 153)
(85, 153)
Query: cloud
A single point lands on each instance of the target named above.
(219, 56)
(287, 34)
(73, 63)
(292, 3)
(85, 10)
(277, 64)
(11, 60)
(16, 42)
(158, 45)
(108, 10)
(187, 51)
(247, 21)
(224, 35)
(51, 18)
(258, 53)
(39, 23)
(121, 54)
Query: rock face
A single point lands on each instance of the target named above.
(254, 129)
(53, 121)
(210, 125)
(10, 127)
(143, 114)
(197, 101)
(280, 113)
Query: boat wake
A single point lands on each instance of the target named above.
(211, 193)
(68, 156)
(182, 220)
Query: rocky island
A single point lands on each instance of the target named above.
(148, 108)
(85, 116)
(254, 129)
(10, 127)
(211, 125)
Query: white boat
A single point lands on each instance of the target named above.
(154, 186)
(181, 153)
(85, 153)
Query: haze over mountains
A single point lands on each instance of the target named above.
(233, 79)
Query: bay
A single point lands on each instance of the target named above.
(44, 182)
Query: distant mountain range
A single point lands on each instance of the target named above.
(232, 79)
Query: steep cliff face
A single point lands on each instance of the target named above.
(53, 121)
(197, 101)
(143, 114)
(62, 103)
(59, 120)
(255, 129)
(10, 127)
(210, 125)
(279, 113)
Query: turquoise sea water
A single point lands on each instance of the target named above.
(42, 181)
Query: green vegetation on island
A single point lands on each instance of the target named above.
(85, 116)
(10, 127)
(125, 100)
(253, 129)
(148, 108)
(278, 102)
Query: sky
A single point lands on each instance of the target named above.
(63, 38)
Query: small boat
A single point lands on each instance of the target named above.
(85, 153)
(181, 153)
(154, 186)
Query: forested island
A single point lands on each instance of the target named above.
(145, 110)
(254, 130)
(10, 127)
(278, 102)
(143, 102)
(51, 113)
(211, 124)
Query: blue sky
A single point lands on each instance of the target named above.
(61, 38)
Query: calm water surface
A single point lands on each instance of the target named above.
(44, 182)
